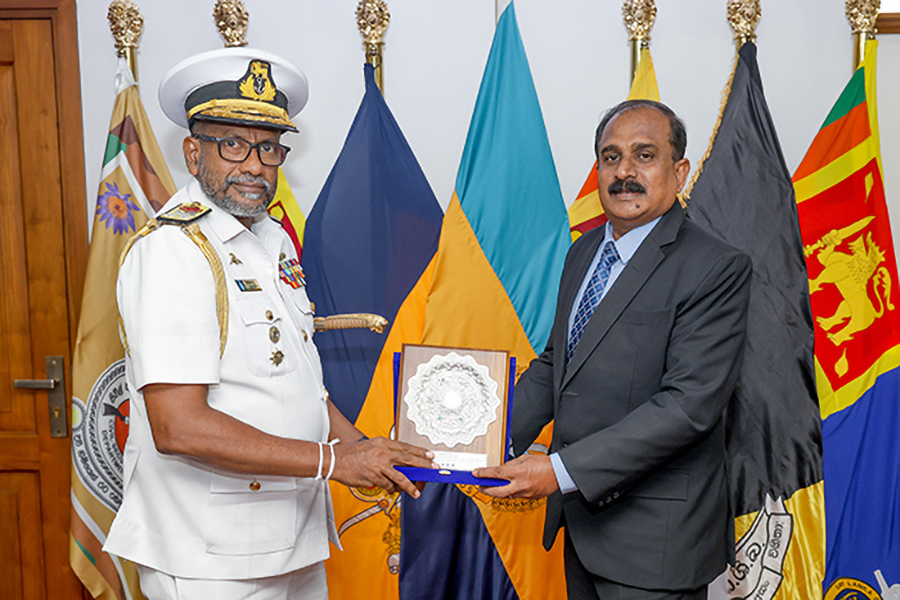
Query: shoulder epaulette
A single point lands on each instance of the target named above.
(186, 212)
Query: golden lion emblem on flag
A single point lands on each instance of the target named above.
(851, 273)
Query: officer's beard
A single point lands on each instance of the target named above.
(217, 192)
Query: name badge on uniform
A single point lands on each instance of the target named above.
(248, 285)
(291, 273)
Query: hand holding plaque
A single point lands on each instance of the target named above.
(454, 402)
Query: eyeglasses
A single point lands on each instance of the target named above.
(236, 150)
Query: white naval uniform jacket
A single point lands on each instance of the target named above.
(177, 515)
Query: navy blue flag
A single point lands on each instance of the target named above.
(369, 237)
(447, 551)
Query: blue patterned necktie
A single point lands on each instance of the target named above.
(591, 297)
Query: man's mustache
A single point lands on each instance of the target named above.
(627, 185)
(258, 179)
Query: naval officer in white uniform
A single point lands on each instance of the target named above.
(232, 434)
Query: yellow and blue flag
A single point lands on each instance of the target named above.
(496, 275)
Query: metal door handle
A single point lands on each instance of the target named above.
(56, 394)
(36, 384)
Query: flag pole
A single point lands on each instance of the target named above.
(862, 15)
(372, 18)
(743, 15)
(231, 19)
(638, 16)
(126, 24)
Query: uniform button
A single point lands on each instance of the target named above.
(277, 357)
(609, 499)
(312, 307)
(269, 315)
(254, 486)
(305, 335)
(615, 494)
(274, 334)
(282, 256)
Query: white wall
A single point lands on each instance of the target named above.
(435, 53)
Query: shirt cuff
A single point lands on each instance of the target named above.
(565, 481)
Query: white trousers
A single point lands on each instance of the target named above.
(307, 583)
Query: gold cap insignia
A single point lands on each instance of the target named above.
(257, 83)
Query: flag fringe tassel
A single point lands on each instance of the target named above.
(726, 93)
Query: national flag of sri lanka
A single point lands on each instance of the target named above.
(370, 237)
(284, 207)
(495, 281)
(852, 279)
(135, 183)
(743, 194)
(586, 212)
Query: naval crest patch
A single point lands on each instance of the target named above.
(186, 212)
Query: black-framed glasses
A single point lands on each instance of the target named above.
(236, 150)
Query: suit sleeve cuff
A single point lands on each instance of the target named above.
(565, 481)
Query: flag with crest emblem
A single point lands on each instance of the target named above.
(135, 183)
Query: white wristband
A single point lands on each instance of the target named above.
(321, 460)
(331, 466)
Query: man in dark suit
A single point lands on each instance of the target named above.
(641, 362)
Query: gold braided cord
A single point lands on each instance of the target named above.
(376, 323)
(149, 226)
(193, 232)
(686, 194)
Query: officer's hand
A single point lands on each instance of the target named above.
(370, 463)
(530, 476)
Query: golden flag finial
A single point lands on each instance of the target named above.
(372, 18)
(862, 15)
(231, 18)
(126, 24)
(638, 16)
(744, 17)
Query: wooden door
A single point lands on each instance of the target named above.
(41, 190)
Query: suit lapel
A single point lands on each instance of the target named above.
(569, 289)
(630, 281)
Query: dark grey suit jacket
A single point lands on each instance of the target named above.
(639, 412)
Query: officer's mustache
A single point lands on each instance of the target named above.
(247, 178)
(626, 185)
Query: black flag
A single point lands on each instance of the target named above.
(743, 194)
